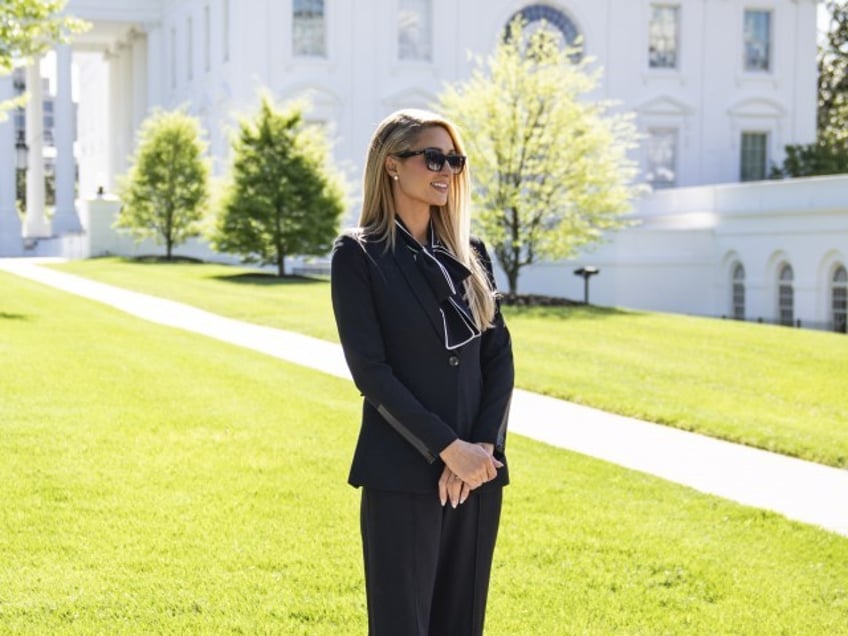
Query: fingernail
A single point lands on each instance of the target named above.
(444, 501)
(462, 501)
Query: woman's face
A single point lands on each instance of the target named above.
(416, 185)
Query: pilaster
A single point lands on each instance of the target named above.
(65, 218)
(35, 221)
(11, 243)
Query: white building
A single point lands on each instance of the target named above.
(719, 87)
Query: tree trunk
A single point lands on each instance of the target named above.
(281, 265)
(169, 245)
(512, 279)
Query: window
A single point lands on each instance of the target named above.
(538, 15)
(757, 38)
(785, 296)
(662, 36)
(189, 49)
(754, 156)
(661, 148)
(738, 298)
(207, 36)
(225, 26)
(308, 36)
(48, 121)
(839, 303)
(414, 30)
(173, 57)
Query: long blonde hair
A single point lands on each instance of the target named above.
(451, 222)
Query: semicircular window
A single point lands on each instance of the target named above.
(540, 15)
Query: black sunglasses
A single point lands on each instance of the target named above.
(435, 159)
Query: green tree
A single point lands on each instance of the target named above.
(29, 28)
(549, 163)
(285, 197)
(829, 153)
(166, 190)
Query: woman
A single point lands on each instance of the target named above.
(414, 302)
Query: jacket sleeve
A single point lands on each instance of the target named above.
(496, 365)
(351, 279)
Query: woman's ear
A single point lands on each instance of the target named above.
(391, 167)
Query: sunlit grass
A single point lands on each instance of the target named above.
(159, 482)
(771, 387)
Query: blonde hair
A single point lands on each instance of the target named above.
(451, 222)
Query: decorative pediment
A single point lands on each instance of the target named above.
(757, 107)
(410, 98)
(319, 98)
(664, 105)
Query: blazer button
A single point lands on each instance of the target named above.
(453, 361)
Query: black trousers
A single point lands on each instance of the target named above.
(427, 566)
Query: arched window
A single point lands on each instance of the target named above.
(785, 296)
(738, 287)
(537, 15)
(839, 302)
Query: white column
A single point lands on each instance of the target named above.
(35, 221)
(155, 72)
(10, 223)
(65, 219)
(127, 131)
(139, 80)
(114, 123)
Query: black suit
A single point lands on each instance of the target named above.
(418, 398)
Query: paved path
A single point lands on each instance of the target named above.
(800, 490)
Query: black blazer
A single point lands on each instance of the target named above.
(418, 396)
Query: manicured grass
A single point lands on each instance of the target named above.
(771, 387)
(159, 482)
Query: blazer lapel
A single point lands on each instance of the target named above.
(415, 279)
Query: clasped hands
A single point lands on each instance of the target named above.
(467, 466)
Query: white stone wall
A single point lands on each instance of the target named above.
(709, 99)
(679, 257)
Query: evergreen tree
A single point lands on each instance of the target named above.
(285, 198)
(166, 191)
(549, 163)
(829, 153)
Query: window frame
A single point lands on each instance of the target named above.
(839, 299)
(770, 48)
(766, 137)
(429, 58)
(786, 295)
(737, 291)
(677, 40)
(649, 167)
(295, 53)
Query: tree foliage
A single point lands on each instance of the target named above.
(285, 197)
(29, 28)
(166, 190)
(829, 153)
(550, 164)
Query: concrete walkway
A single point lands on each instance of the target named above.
(800, 490)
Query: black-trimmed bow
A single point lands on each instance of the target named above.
(445, 275)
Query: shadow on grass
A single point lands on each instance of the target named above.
(571, 312)
(268, 280)
(161, 259)
(7, 316)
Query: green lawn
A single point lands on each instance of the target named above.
(771, 387)
(156, 481)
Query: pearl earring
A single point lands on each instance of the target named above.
(395, 177)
